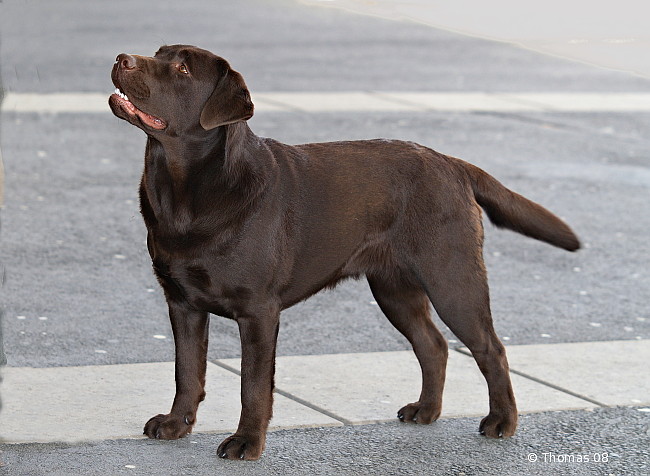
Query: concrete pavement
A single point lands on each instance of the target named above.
(315, 391)
(367, 101)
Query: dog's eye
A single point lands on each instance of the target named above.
(183, 69)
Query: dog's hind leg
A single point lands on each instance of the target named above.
(407, 307)
(456, 281)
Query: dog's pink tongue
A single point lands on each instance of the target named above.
(151, 121)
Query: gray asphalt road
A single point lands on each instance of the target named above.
(79, 279)
(550, 443)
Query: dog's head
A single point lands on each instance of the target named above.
(179, 89)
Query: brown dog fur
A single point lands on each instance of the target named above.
(243, 227)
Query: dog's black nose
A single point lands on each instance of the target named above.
(125, 61)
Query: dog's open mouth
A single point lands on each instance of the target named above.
(127, 106)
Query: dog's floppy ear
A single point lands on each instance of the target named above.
(229, 102)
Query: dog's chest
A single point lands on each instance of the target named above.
(210, 285)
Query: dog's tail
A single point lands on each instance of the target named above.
(507, 209)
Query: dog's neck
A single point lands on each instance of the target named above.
(224, 156)
(228, 164)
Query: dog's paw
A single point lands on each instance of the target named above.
(168, 427)
(241, 447)
(498, 425)
(419, 413)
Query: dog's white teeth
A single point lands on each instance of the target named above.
(121, 94)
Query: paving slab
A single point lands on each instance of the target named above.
(338, 101)
(464, 101)
(114, 401)
(89, 403)
(582, 102)
(613, 372)
(365, 101)
(371, 387)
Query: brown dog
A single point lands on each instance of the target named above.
(244, 227)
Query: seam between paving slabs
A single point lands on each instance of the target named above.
(290, 396)
(542, 382)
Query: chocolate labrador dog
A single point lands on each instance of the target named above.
(244, 227)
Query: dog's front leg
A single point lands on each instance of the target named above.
(258, 338)
(191, 329)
